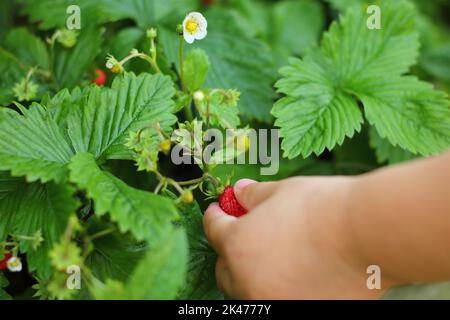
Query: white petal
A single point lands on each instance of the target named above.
(14, 264)
(189, 38)
(197, 16)
(201, 34)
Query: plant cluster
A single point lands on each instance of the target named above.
(89, 118)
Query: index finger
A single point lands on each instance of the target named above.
(217, 224)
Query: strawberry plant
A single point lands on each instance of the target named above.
(98, 96)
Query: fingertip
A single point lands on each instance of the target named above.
(242, 183)
(213, 211)
(215, 224)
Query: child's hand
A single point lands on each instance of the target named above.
(294, 243)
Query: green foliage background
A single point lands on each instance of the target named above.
(347, 100)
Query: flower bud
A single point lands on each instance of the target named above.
(179, 29)
(199, 96)
(187, 197)
(165, 146)
(152, 33)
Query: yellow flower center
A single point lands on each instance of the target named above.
(14, 264)
(192, 26)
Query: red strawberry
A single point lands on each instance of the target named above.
(229, 203)
(4, 261)
(101, 77)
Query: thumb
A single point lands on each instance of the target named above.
(251, 193)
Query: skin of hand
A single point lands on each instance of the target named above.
(292, 244)
(314, 237)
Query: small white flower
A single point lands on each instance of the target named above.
(199, 96)
(14, 264)
(109, 65)
(194, 27)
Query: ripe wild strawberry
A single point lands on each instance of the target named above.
(229, 203)
(101, 77)
(4, 261)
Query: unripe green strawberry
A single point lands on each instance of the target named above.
(187, 197)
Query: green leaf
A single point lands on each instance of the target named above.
(355, 64)
(6, 16)
(162, 270)
(20, 52)
(318, 120)
(28, 48)
(295, 25)
(386, 152)
(114, 257)
(342, 5)
(237, 62)
(28, 208)
(431, 291)
(40, 143)
(436, 61)
(53, 13)
(201, 280)
(148, 216)
(33, 145)
(121, 44)
(71, 64)
(4, 283)
(158, 276)
(146, 13)
(409, 113)
(103, 118)
(223, 109)
(196, 67)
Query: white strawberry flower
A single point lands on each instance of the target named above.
(194, 27)
(14, 264)
(199, 96)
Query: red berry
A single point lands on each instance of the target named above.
(101, 77)
(4, 261)
(208, 2)
(229, 203)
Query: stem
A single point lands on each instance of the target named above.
(102, 233)
(188, 112)
(158, 187)
(132, 56)
(12, 57)
(176, 185)
(193, 181)
(51, 64)
(182, 64)
(187, 108)
(208, 107)
(27, 78)
(153, 53)
(213, 179)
